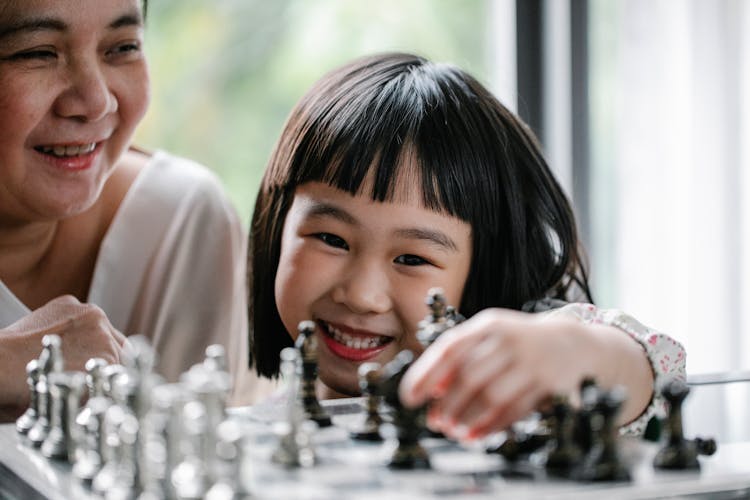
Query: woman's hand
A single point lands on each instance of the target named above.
(497, 367)
(85, 332)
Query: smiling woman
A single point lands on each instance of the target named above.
(75, 196)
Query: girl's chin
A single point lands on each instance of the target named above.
(334, 390)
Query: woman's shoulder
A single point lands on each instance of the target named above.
(171, 180)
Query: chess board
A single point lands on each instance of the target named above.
(349, 469)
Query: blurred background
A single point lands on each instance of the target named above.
(643, 108)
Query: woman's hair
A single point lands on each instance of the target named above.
(477, 161)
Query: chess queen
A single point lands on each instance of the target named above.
(394, 174)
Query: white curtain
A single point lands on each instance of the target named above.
(671, 171)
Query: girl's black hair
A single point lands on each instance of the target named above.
(478, 162)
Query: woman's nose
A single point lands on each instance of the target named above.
(88, 96)
(364, 289)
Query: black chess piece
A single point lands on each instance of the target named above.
(441, 317)
(582, 431)
(602, 462)
(678, 452)
(518, 444)
(369, 377)
(409, 422)
(307, 345)
(563, 454)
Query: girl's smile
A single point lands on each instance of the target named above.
(361, 269)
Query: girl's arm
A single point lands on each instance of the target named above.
(498, 366)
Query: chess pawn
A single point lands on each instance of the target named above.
(90, 438)
(66, 390)
(229, 453)
(307, 345)
(95, 380)
(295, 447)
(50, 361)
(111, 450)
(190, 477)
(216, 358)
(677, 452)
(369, 376)
(26, 421)
(409, 422)
(602, 462)
(564, 454)
(211, 388)
(91, 445)
(126, 481)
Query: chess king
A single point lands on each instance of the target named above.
(394, 175)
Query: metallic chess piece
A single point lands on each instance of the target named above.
(111, 450)
(66, 390)
(369, 377)
(90, 441)
(307, 345)
(211, 387)
(295, 447)
(216, 358)
(190, 478)
(95, 377)
(230, 455)
(50, 361)
(26, 421)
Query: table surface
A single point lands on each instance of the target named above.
(349, 469)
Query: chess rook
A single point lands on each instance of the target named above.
(602, 462)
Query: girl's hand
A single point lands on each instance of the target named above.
(85, 332)
(497, 367)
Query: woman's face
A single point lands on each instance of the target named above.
(73, 87)
(361, 270)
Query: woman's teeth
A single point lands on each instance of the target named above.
(357, 342)
(77, 150)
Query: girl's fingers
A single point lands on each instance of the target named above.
(497, 419)
(429, 376)
(484, 369)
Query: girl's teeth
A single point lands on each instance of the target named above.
(69, 150)
(356, 342)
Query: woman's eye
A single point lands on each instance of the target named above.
(410, 260)
(34, 54)
(332, 240)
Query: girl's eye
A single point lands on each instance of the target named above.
(410, 260)
(332, 240)
(125, 49)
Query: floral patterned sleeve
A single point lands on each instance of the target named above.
(666, 355)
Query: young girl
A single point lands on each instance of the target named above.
(394, 175)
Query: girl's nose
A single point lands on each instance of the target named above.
(88, 96)
(364, 289)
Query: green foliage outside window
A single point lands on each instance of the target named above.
(225, 73)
